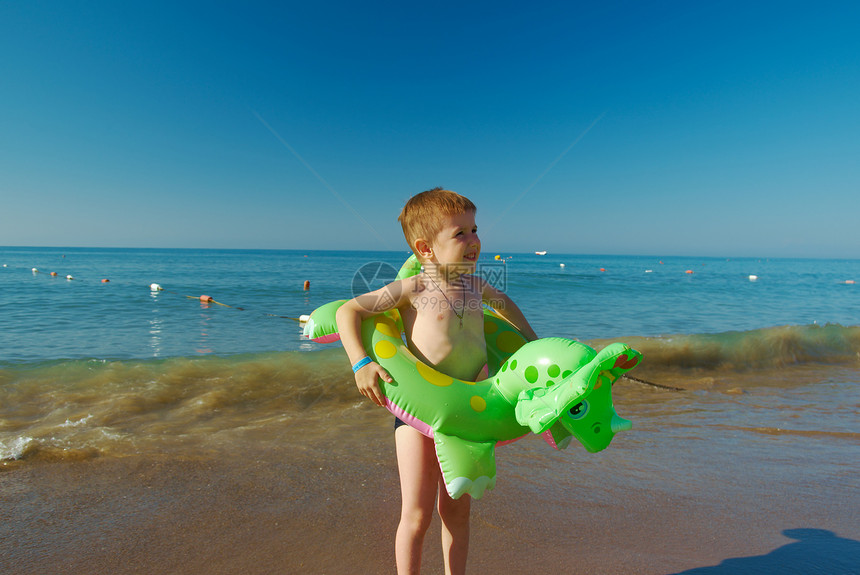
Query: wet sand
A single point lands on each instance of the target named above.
(658, 501)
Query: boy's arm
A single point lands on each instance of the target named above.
(506, 308)
(349, 318)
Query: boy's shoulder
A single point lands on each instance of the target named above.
(411, 285)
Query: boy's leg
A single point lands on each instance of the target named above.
(419, 480)
(454, 514)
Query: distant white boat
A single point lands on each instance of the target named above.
(540, 253)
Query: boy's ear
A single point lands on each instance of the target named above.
(422, 248)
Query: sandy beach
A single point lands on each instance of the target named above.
(658, 501)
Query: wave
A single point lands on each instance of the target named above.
(77, 409)
(84, 408)
(750, 350)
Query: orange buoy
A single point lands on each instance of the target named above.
(307, 285)
(689, 271)
(603, 269)
(205, 298)
(53, 274)
(104, 281)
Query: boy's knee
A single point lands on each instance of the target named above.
(416, 520)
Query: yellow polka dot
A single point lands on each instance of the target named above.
(385, 349)
(478, 403)
(387, 327)
(433, 376)
(509, 342)
(490, 327)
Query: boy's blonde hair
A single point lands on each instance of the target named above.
(423, 214)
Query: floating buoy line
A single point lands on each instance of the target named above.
(157, 288)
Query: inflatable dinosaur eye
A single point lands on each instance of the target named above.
(579, 410)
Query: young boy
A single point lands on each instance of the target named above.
(443, 321)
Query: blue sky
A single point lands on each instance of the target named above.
(657, 128)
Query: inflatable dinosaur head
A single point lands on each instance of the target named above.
(580, 403)
(593, 421)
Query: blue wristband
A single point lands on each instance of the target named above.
(361, 363)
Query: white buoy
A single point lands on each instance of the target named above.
(649, 271)
(304, 318)
(69, 278)
(753, 278)
(561, 265)
(35, 270)
(155, 287)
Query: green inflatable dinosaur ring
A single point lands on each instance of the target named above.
(555, 387)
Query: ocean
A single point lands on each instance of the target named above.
(49, 318)
(75, 351)
(748, 364)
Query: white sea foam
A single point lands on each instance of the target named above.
(15, 448)
(78, 423)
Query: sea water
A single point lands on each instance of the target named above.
(48, 318)
(91, 367)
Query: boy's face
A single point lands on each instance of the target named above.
(457, 242)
